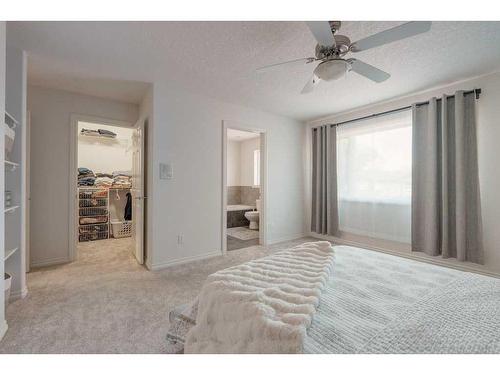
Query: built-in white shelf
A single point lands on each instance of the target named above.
(9, 253)
(11, 165)
(10, 209)
(122, 142)
(104, 137)
(12, 118)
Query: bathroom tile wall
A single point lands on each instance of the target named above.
(242, 195)
(237, 219)
(249, 195)
(234, 195)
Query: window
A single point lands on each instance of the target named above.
(374, 176)
(256, 168)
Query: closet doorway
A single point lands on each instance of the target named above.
(107, 186)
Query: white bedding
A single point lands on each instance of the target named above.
(380, 303)
(263, 306)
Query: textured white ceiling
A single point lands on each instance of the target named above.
(45, 75)
(219, 58)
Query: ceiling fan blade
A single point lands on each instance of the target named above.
(388, 36)
(322, 32)
(310, 85)
(368, 71)
(303, 61)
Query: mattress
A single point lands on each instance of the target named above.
(379, 303)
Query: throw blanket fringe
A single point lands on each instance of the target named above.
(263, 306)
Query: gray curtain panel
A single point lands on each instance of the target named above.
(324, 210)
(446, 207)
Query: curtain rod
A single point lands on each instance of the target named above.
(477, 92)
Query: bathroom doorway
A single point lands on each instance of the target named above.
(243, 186)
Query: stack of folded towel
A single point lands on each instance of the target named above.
(104, 175)
(122, 179)
(106, 133)
(103, 182)
(99, 133)
(86, 177)
(119, 179)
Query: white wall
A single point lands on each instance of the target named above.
(488, 111)
(3, 323)
(50, 132)
(240, 161)
(187, 133)
(105, 155)
(233, 163)
(246, 160)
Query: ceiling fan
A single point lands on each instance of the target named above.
(332, 48)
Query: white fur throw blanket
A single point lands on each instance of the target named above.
(263, 306)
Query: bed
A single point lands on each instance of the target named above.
(379, 303)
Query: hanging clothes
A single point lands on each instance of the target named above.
(128, 207)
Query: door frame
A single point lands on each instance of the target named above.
(73, 158)
(263, 217)
(139, 251)
(27, 194)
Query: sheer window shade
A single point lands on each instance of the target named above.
(374, 176)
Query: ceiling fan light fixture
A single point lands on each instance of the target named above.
(331, 70)
(331, 48)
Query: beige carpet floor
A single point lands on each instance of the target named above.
(106, 303)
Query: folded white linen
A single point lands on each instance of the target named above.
(263, 306)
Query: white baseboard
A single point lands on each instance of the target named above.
(419, 257)
(49, 262)
(18, 294)
(3, 329)
(374, 235)
(286, 238)
(177, 262)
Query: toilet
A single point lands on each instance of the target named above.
(253, 216)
